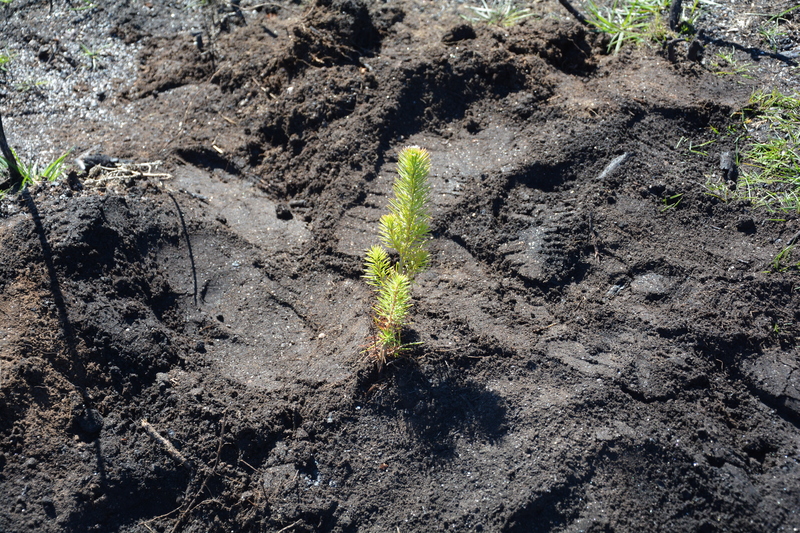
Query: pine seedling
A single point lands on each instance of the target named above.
(407, 226)
(405, 229)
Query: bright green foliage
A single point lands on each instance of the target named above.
(391, 311)
(393, 293)
(5, 59)
(770, 173)
(626, 20)
(768, 145)
(784, 260)
(729, 65)
(377, 266)
(31, 173)
(768, 158)
(405, 229)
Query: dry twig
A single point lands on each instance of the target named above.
(168, 447)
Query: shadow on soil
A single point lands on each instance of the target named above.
(438, 406)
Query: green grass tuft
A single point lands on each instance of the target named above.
(503, 13)
(784, 260)
(5, 58)
(32, 173)
(726, 64)
(633, 21)
(770, 158)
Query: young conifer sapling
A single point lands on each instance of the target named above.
(405, 229)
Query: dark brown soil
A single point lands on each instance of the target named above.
(184, 351)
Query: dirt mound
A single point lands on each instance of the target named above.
(601, 346)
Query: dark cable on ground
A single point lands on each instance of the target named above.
(15, 178)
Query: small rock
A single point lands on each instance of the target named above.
(650, 285)
(604, 434)
(282, 212)
(90, 422)
(610, 293)
(24, 494)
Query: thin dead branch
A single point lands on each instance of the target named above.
(167, 445)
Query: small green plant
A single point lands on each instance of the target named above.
(671, 202)
(695, 148)
(767, 141)
(784, 260)
(771, 33)
(770, 159)
(730, 66)
(87, 5)
(31, 173)
(627, 21)
(690, 15)
(93, 55)
(404, 229)
(29, 85)
(5, 59)
(781, 17)
(500, 12)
